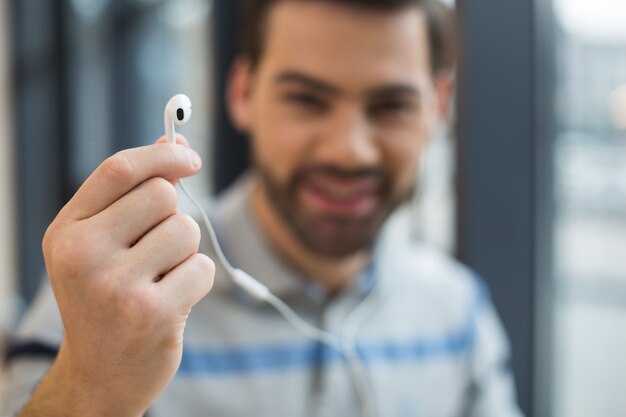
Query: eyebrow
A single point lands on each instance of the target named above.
(395, 90)
(308, 81)
(325, 87)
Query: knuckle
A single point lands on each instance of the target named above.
(206, 266)
(73, 250)
(104, 286)
(164, 193)
(138, 302)
(189, 228)
(48, 238)
(118, 167)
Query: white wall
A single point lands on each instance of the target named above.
(8, 253)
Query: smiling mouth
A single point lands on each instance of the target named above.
(341, 196)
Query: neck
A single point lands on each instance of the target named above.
(332, 273)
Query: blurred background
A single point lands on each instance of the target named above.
(528, 188)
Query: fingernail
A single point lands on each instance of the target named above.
(196, 161)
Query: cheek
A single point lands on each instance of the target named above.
(279, 143)
(403, 166)
(402, 157)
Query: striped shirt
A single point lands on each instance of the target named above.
(430, 341)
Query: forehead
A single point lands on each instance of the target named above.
(346, 44)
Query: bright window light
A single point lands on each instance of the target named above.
(599, 19)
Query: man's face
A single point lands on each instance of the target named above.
(338, 108)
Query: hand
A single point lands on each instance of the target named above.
(124, 268)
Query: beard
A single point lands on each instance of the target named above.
(329, 234)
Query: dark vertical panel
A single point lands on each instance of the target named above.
(496, 166)
(124, 79)
(545, 134)
(231, 152)
(40, 126)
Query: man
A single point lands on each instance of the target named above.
(339, 99)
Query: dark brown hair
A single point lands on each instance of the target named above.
(440, 20)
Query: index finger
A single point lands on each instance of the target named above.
(125, 170)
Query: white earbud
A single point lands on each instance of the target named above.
(177, 112)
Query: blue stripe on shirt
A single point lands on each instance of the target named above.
(247, 360)
(275, 358)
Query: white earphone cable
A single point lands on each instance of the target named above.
(346, 345)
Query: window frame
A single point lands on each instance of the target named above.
(504, 176)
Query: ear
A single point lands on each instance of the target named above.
(444, 89)
(238, 93)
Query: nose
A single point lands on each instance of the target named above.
(349, 142)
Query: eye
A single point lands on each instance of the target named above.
(305, 101)
(392, 107)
